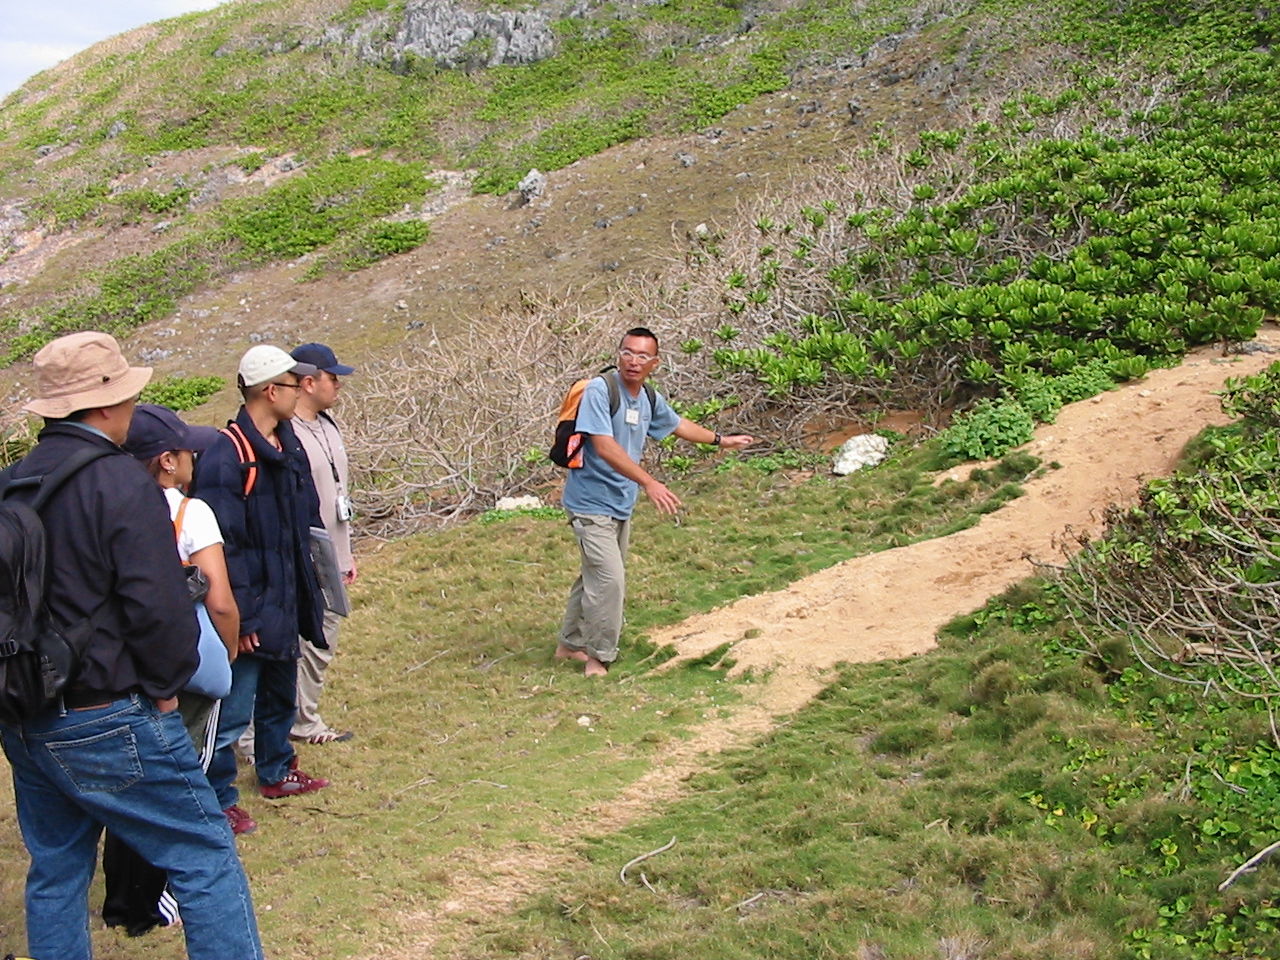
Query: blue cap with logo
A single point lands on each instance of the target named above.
(321, 357)
(155, 430)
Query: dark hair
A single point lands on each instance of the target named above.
(248, 392)
(641, 332)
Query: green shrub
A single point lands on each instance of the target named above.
(991, 429)
(181, 393)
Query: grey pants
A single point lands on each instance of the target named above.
(312, 663)
(593, 617)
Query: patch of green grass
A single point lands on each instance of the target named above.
(1003, 790)
(469, 736)
(341, 197)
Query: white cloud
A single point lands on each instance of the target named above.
(38, 35)
(20, 60)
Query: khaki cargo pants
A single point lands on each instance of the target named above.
(593, 617)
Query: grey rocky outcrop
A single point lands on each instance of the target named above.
(532, 186)
(450, 34)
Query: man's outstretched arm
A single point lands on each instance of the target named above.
(688, 430)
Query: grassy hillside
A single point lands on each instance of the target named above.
(266, 131)
(236, 89)
(1080, 770)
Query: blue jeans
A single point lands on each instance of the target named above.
(266, 692)
(132, 769)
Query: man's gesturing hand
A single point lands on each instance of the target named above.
(736, 441)
(663, 499)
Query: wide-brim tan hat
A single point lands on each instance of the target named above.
(81, 371)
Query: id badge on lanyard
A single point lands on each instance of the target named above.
(633, 417)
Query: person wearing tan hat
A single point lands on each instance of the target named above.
(257, 479)
(115, 753)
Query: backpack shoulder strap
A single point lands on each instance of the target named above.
(610, 377)
(46, 485)
(177, 521)
(244, 450)
(6, 477)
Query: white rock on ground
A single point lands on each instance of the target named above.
(518, 503)
(857, 452)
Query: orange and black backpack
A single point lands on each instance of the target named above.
(566, 451)
(244, 450)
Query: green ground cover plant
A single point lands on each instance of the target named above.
(181, 393)
(343, 197)
(1090, 235)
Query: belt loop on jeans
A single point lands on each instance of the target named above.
(62, 706)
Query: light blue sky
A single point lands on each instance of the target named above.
(35, 34)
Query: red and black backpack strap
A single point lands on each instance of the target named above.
(244, 450)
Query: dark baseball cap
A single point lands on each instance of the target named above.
(155, 429)
(322, 358)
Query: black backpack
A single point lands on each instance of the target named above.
(37, 658)
(566, 449)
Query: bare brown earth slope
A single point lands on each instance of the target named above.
(620, 215)
(883, 606)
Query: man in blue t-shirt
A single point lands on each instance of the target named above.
(600, 495)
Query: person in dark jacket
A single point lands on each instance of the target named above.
(115, 753)
(258, 481)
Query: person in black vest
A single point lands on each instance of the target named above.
(257, 479)
(115, 753)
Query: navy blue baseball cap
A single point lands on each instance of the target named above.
(322, 358)
(156, 429)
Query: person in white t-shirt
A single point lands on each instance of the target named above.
(168, 447)
(136, 895)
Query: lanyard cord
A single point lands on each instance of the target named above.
(319, 433)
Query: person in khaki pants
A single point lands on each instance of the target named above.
(600, 496)
(322, 439)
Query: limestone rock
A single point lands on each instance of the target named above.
(533, 185)
(518, 503)
(451, 35)
(857, 452)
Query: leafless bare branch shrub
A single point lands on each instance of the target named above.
(17, 437)
(1186, 600)
(443, 428)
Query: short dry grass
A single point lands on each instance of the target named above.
(468, 735)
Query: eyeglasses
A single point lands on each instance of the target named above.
(629, 355)
(297, 385)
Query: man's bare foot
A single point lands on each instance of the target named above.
(564, 653)
(595, 668)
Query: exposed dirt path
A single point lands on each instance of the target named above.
(882, 606)
(890, 605)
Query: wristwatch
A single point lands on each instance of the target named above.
(717, 440)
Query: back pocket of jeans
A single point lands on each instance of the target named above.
(106, 763)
